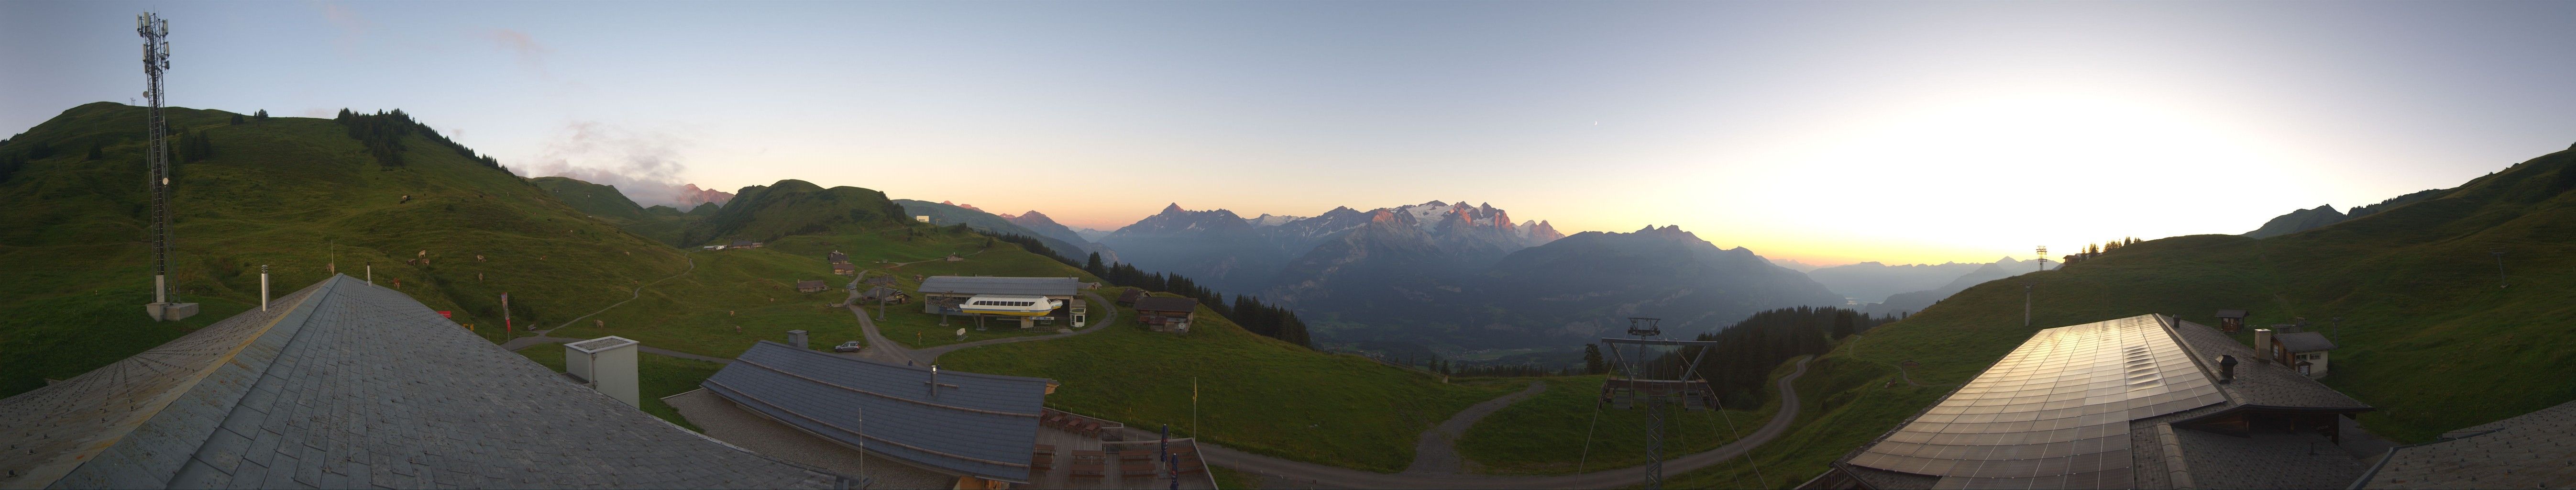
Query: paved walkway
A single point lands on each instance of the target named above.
(1316, 475)
(1437, 452)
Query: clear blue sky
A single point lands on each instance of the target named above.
(1828, 132)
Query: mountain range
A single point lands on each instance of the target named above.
(1459, 276)
(1909, 302)
(1031, 224)
(1873, 282)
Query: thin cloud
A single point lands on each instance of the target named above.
(645, 166)
(352, 27)
(530, 53)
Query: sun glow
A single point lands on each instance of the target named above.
(1969, 177)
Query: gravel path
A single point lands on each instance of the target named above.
(1437, 452)
(1305, 474)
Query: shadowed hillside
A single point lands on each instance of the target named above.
(298, 195)
(2427, 335)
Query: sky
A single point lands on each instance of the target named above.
(1823, 132)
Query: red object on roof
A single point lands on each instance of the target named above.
(446, 314)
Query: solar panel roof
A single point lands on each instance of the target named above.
(2054, 413)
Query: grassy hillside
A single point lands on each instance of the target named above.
(754, 289)
(1559, 432)
(604, 202)
(2427, 335)
(297, 194)
(1253, 393)
(795, 207)
(947, 214)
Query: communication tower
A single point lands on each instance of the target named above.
(156, 59)
(2043, 258)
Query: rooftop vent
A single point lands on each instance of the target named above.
(796, 338)
(606, 364)
(2226, 369)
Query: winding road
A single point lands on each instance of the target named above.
(1437, 452)
(1310, 474)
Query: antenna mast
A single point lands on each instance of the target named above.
(156, 59)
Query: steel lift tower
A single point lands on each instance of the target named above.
(156, 59)
(1632, 368)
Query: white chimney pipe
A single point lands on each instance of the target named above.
(371, 274)
(263, 287)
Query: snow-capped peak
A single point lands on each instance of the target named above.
(1269, 220)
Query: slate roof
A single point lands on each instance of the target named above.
(349, 385)
(983, 426)
(1165, 303)
(2533, 450)
(2141, 456)
(2258, 382)
(1040, 286)
(2304, 341)
(812, 284)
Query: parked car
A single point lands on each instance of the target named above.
(850, 346)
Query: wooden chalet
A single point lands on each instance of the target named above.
(1166, 314)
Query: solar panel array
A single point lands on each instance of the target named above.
(2053, 414)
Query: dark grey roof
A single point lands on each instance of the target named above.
(2263, 459)
(349, 385)
(1165, 303)
(2231, 313)
(811, 284)
(983, 426)
(2532, 450)
(2304, 341)
(1042, 286)
(2260, 382)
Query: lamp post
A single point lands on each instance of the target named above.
(2025, 302)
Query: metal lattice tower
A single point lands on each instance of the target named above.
(1632, 367)
(156, 59)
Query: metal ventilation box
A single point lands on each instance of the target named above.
(606, 364)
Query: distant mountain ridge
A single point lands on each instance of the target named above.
(1234, 254)
(1873, 282)
(2323, 215)
(944, 214)
(1564, 292)
(1909, 302)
